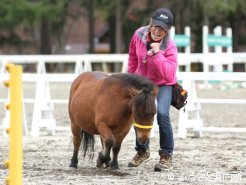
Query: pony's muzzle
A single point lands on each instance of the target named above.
(143, 135)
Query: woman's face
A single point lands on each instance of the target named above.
(157, 33)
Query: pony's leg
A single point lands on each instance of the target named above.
(103, 157)
(109, 143)
(107, 140)
(116, 148)
(100, 156)
(76, 143)
(102, 142)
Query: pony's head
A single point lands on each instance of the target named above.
(144, 110)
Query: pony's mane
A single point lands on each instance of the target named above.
(134, 80)
(144, 102)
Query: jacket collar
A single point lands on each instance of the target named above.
(142, 34)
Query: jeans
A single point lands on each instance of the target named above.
(164, 99)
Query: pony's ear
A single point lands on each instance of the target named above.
(155, 90)
(134, 92)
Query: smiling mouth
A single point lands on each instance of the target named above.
(156, 36)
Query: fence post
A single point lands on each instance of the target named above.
(15, 130)
(187, 49)
(6, 119)
(229, 48)
(43, 107)
(78, 67)
(191, 117)
(205, 46)
(218, 49)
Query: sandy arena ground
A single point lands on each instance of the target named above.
(215, 158)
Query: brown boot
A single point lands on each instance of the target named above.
(165, 163)
(139, 158)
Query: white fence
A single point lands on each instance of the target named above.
(44, 103)
(194, 103)
(84, 62)
(81, 62)
(218, 58)
(44, 106)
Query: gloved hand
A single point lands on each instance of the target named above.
(155, 47)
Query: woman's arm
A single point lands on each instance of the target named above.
(133, 59)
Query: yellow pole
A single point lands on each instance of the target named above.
(15, 130)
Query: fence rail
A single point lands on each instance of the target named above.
(84, 62)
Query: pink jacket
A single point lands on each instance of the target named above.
(160, 68)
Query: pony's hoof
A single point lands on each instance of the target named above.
(101, 160)
(114, 166)
(99, 164)
(73, 165)
(108, 162)
(74, 162)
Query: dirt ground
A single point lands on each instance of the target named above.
(215, 158)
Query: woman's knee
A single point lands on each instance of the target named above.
(163, 118)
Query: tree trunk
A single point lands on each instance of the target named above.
(45, 44)
(91, 25)
(118, 23)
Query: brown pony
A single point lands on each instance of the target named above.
(107, 105)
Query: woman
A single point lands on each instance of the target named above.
(153, 54)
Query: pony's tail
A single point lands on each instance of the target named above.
(88, 142)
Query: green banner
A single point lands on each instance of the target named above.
(182, 40)
(216, 40)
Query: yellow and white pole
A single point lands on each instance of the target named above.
(14, 163)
